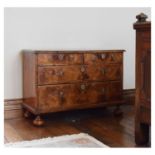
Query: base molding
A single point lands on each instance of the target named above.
(13, 108)
(129, 96)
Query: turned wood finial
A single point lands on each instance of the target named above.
(141, 17)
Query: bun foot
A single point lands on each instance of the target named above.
(27, 114)
(117, 111)
(38, 121)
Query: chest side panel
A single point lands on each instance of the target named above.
(29, 80)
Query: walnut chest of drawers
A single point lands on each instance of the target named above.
(64, 80)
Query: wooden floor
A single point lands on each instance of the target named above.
(100, 123)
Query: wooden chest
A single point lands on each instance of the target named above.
(64, 80)
(143, 79)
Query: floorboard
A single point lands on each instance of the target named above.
(100, 123)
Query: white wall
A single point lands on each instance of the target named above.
(66, 29)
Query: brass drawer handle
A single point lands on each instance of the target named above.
(60, 73)
(61, 56)
(83, 87)
(82, 69)
(61, 93)
(103, 56)
(112, 57)
(71, 56)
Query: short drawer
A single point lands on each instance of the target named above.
(107, 57)
(59, 74)
(60, 59)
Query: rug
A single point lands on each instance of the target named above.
(81, 140)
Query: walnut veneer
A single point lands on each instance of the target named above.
(64, 80)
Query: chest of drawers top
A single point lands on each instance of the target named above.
(72, 51)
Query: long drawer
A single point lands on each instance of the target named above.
(70, 95)
(69, 74)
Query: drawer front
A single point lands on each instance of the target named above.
(95, 58)
(103, 72)
(71, 95)
(68, 74)
(60, 59)
(59, 74)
